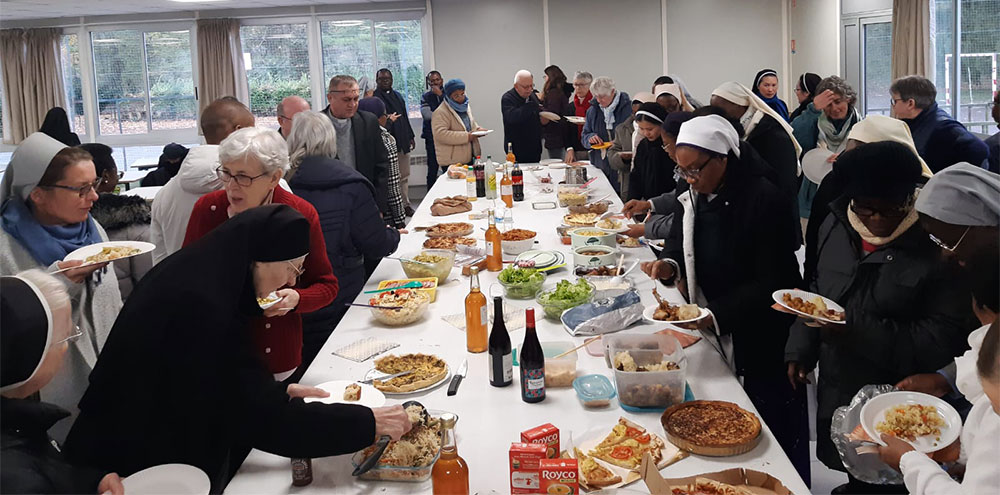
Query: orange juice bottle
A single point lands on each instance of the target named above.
(494, 258)
(507, 189)
(510, 153)
(450, 474)
(475, 315)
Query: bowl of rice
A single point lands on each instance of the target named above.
(412, 306)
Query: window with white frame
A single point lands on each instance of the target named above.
(276, 58)
(144, 81)
(966, 85)
(73, 82)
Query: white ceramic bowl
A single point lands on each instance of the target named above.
(582, 236)
(589, 255)
(517, 247)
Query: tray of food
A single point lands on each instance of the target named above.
(428, 285)
(924, 421)
(409, 306)
(517, 241)
(448, 242)
(581, 219)
(451, 229)
(411, 458)
(599, 271)
(427, 371)
(711, 427)
(611, 457)
(429, 263)
(649, 371)
(810, 305)
(103, 252)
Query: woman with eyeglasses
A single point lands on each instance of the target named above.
(46, 195)
(906, 310)
(252, 162)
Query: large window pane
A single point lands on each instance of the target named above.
(121, 82)
(72, 82)
(347, 49)
(878, 64)
(171, 85)
(400, 49)
(1, 110)
(980, 53)
(276, 57)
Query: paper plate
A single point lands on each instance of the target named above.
(481, 133)
(370, 396)
(82, 253)
(557, 165)
(542, 258)
(573, 119)
(874, 411)
(275, 300)
(603, 146)
(168, 479)
(648, 314)
(779, 294)
(550, 115)
(815, 165)
(549, 161)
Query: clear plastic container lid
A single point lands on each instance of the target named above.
(591, 388)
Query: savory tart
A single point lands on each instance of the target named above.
(448, 242)
(626, 444)
(352, 392)
(453, 229)
(705, 486)
(581, 219)
(426, 370)
(710, 427)
(593, 474)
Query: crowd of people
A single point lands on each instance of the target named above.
(900, 224)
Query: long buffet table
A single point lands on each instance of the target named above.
(491, 418)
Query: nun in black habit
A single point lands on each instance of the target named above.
(179, 381)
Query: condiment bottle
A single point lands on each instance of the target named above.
(532, 362)
(450, 474)
(500, 358)
(475, 315)
(494, 258)
(510, 153)
(302, 471)
(507, 189)
(470, 184)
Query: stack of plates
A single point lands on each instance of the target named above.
(542, 259)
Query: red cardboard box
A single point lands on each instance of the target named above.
(545, 434)
(559, 476)
(524, 461)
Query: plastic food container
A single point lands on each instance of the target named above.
(604, 287)
(558, 372)
(405, 316)
(595, 255)
(649, 389)
(524, 290)
(594, 390)
(428, 285)
(554, 308)
(592, 236)
(440, 270)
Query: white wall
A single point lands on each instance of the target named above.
(713, 41)
(815, 27)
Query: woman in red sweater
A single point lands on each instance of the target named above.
(253, 160)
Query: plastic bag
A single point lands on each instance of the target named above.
(865, 467)
(602, 316)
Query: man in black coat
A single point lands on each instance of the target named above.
(522, 126)
(941, 140)
(730, 247)
(359, 140)
(395, 106)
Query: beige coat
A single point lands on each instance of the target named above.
(451, 140)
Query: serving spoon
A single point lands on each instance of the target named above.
(383, 441)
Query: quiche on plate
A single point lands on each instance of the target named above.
(426, 371)
(710, 427)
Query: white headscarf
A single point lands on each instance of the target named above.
(676, 91)
(739, 94)
(875, 128)
(710, 133)
(27, 166)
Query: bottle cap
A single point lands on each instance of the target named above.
(448, 420)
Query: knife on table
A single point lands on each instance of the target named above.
(457, 379)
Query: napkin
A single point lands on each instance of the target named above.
(363, 349)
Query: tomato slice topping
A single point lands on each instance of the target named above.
(643, 438)
(621, 452)
(632, 432)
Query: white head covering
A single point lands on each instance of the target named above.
(27, 166)
(643, 97)
(711, 133)
(962, 194)
(675, 91)
(875, 128)
(739, 94)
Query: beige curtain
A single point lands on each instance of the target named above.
(911, 38)
(220, 62)
(32, 79)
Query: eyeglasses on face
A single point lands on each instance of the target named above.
(75, 335)
(242, 180)
(83, 190)
(692, 173)
(941, 244)
(865, 211)
(299, 270)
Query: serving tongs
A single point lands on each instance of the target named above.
(384, 440)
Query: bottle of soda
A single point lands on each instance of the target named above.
(490, 170)
(532, 362)
(470, 184)
(517, 183)
(501, 362)
(480, 178)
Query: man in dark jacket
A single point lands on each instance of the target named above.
(731, 246)
(359, 140)
(395, 106)
(35, 329)
(168, 166)
(905, 310)
(941, 141)
(429, 102)
(522, 126)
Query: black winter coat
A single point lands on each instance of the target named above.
(522, 126)
(652, 171)
(943, 141)
(776, 148)
(905, 315)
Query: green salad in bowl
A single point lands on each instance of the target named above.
(566, 295)
(521, 283)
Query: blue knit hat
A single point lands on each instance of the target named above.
(453, 85)
(373, 105)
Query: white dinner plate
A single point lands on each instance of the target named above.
(550, 115)
(815, 165)
(620, 230)
(779, 294)
(542, 258)
(549, 161)
(168, 479)
(272, 295)
(82, 253)
(374, 373)
(481, 133)
(874, 411)
(573, 119)
(370, 396)
(557, 165)
(648, 314)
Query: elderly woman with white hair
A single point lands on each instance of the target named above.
(252, 162)
(609, 108)
(349, 218)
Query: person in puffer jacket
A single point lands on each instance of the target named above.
(351, 222)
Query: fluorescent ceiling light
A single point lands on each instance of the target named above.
(198, 1)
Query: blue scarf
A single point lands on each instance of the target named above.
(775, 103)
(462, 109)
(46, 243)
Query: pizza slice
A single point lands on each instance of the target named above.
(626, 454)
(594, 474)
(704, 486)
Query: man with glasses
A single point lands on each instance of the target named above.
(522, 125)
(941, 140)
(196, 177)
(287, 108)
(359, 140)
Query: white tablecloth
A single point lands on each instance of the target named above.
(491, 418)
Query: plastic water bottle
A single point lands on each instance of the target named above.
(508, 220)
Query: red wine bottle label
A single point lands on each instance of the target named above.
(533, 382)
